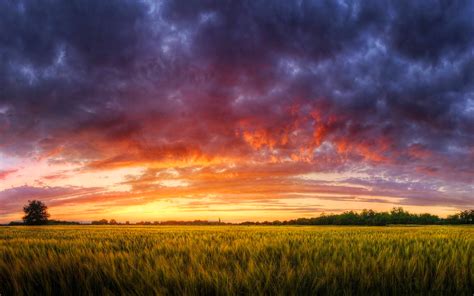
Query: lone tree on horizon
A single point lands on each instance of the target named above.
(36, 213)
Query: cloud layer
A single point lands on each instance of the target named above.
(230, 94)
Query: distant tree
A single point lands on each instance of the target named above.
(463, 217)
(36, 213)
(59, 222)
(100, 222)
(399, 216)
(427, 219)
(453, 219)
(113, 222)
(467, 217)
(127, 222)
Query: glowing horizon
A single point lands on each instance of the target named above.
(141, 111)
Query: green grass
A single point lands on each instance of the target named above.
(229, 260)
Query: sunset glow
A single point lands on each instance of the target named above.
(152, 111)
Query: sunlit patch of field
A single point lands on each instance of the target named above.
(229, 260)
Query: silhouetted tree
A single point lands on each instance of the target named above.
(399, 216)
(100, 222)
(467, 216)
(113, 222)
(36, 213)
(463, 217)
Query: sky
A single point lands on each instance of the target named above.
(239, 110)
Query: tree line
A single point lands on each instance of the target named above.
(36, 213)
(369, 217)
(169, 222)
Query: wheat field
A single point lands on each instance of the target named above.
(231, 260)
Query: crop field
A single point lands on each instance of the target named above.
(230, 260)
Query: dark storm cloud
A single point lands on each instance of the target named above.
(385, 82)
(433, 29)
(56, 59)
(35, 32)
(396, 69)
